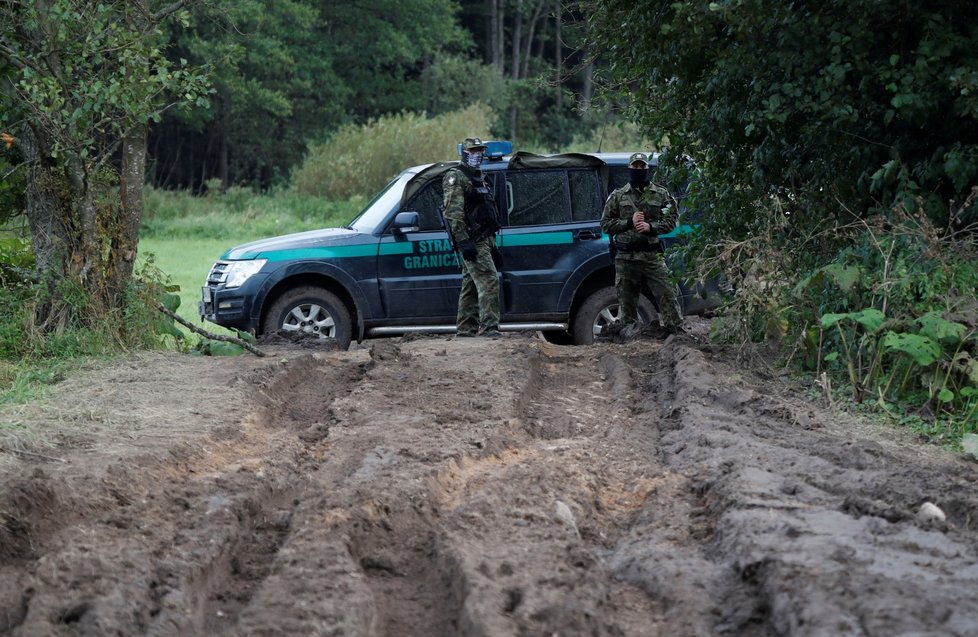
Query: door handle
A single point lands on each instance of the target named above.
(588, 235)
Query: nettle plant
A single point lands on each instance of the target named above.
(896, 316)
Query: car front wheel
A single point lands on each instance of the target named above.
(601, 309)
(313, 311)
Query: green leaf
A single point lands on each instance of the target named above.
(945, 395)
(921, 349)
(846, 277)
(168, 326)
(871, 319)
(831, 357)
(220, 348)
(968, 392)
(935, 326)
(171, 301)
(828, 320)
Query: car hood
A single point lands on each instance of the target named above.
(313, 244)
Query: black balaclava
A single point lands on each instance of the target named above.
(638, 177)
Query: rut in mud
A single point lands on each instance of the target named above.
(435, 487)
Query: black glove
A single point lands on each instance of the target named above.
(467, 248)
(497, 258)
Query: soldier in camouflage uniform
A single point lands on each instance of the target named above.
(633, 217)
(471, 217)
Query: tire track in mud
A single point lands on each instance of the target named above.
(819, 527)
(171, 545)
(644, 522)
(469, 487)
(554, 498)
(365, 556)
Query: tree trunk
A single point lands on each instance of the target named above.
(124, 234)
(223, 148)
(587, 87)
(495, 36)
(43, 205)
(61, 213)
(514, 74)
(514, 71)
(530, 35)
(559, 54)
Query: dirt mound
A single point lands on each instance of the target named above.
(432, 486)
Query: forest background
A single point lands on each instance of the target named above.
(830, 150)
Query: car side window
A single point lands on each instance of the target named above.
(586, 204)
(427, 203)
(617, 177)
(537, 197)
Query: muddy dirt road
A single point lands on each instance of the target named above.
(431, 487)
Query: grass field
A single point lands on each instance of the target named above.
(186, 263)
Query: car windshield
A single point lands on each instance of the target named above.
(382, 205)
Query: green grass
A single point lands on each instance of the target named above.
(186, 262)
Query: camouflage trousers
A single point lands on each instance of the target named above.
(637, 270)
(478, 302)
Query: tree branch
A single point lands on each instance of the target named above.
(172, 8)
(215, 337)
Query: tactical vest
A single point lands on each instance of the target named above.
(481, 215)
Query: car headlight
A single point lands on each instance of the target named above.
(240, 271)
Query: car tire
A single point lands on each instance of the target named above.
(600, 309)
(313, 311)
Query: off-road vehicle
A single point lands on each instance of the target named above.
(392, 269)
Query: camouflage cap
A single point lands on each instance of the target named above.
(639, 158)
(472, 142)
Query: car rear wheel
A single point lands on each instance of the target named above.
(313, 311)
(601, 309)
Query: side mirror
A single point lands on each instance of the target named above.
(406, 222)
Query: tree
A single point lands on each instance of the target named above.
(289, 72)
(863, 103)
(527, 43)
(274, 87)
(82, 80)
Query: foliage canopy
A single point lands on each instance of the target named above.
(867, 103)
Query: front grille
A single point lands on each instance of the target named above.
(219, 273)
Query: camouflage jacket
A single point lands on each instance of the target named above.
(457, 186)
(655, 202)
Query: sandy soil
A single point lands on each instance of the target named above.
(434, 487)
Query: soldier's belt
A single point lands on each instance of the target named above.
(639, 246)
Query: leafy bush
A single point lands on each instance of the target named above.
(360, 160)
(12, 185)
(16, 261)
(885, 306)
(32, 357)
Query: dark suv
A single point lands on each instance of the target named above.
(392, 269)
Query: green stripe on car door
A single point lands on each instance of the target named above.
(538, 239)
(333, 252)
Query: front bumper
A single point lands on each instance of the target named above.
(227, 308)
